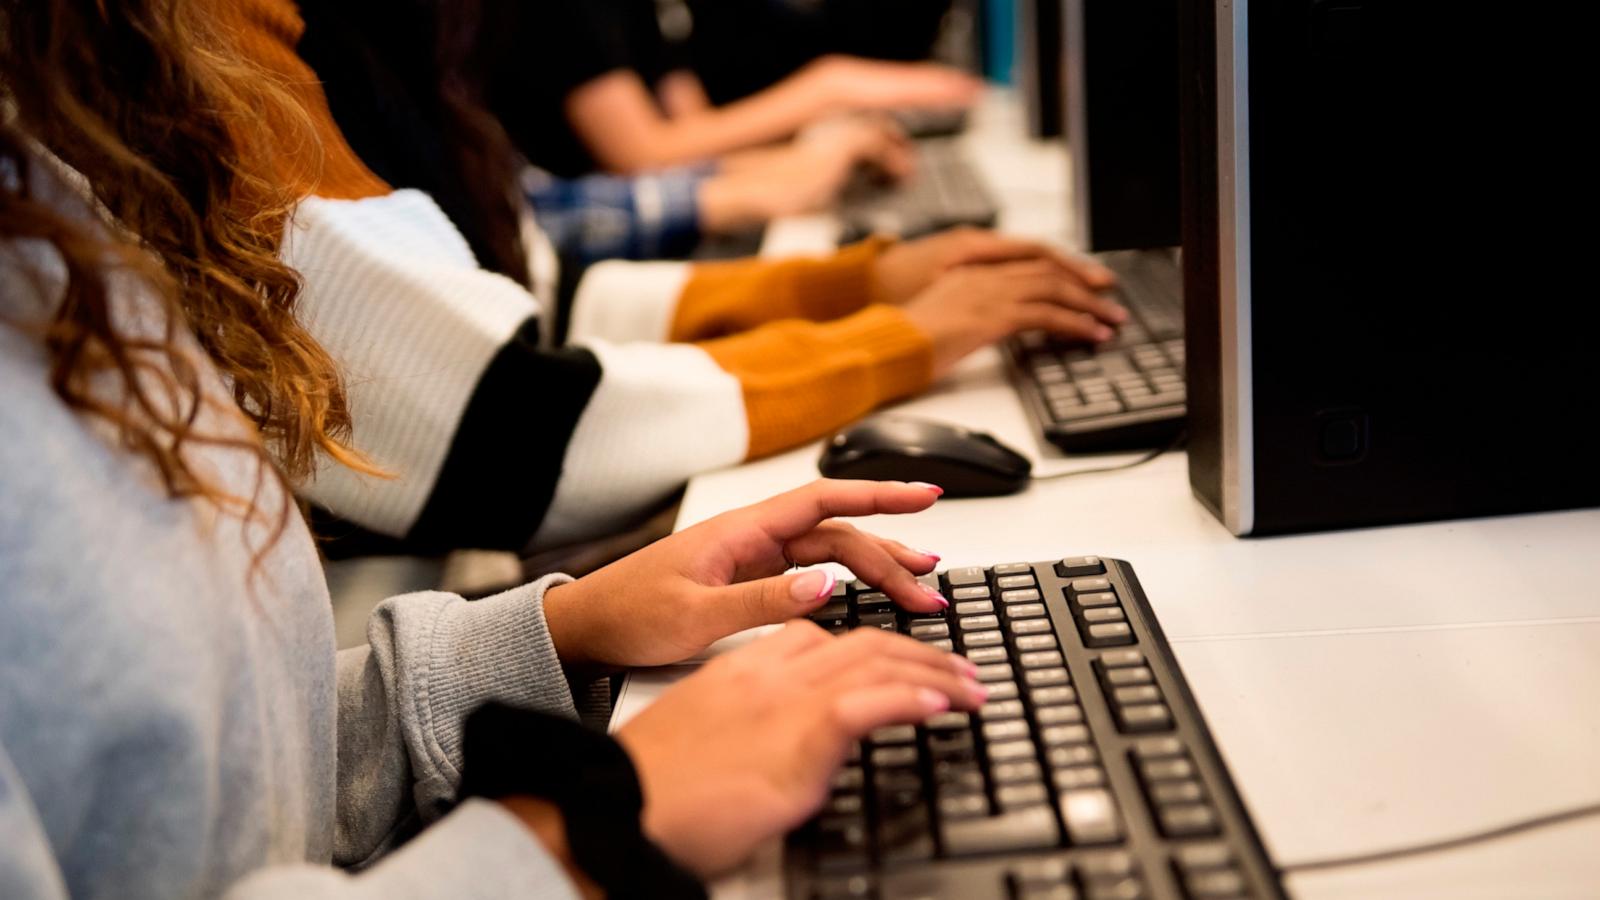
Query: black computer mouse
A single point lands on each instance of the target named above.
(893, 448)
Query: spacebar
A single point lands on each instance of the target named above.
(1031, 828)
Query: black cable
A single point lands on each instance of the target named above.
(1173, 444)
(1451, 843)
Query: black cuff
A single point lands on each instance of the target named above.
(589, 777)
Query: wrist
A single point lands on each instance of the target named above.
(543, 818)
(564, 618)
(725, 205)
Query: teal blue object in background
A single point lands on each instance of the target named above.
(999, 40)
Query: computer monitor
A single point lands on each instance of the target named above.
(1388, 271)
(1120, 72)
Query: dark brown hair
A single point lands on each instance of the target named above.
(141, 98)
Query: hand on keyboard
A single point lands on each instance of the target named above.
(974, 306)
(671, 600)
(908, 268)
(744, 749)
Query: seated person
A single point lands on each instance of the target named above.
(454, 367)
(174, 720)
(591, 84)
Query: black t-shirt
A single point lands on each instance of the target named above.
(536, 52)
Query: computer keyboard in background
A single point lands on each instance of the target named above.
(1125, 394)
(945, 192)
(1088, 774)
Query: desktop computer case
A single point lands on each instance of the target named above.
(1390, 305)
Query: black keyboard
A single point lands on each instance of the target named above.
(1088, 774)
(945, 192)
(1123, 395)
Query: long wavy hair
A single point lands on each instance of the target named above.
(142, 98)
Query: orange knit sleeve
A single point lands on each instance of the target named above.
(802, 380)
(306, 155)
(724, 298)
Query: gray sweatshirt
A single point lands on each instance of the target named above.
(174, 725)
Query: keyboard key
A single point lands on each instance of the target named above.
(1009, 750)
(882, 620)
(849, 778)
(1100, 598)
(1029, 828)
(1002, 690)
(1174, 769)
(1124, 677)
(1090, 585)
(1215, 885)
(969, 575)
(1103, 614)
(1035, 872)
(1117, 659)
(1144, 693)
(1168, 792)
(949, 721)
(1123, 889)
(1073, 755)
(906, 836)
(841, 843)
(976, 607)
(893, 734)
(1058, 735)
(1045, 677)
(1025, 610)
(1203, 856)
(1014, 582)
(1105, 866)
(982, 639)
(951, 746)
(930, 630)
(1037, 642)
(1144, 717)
(1078, 566)
(1189, 820)
(874, 602)
(891, 757)
(1075, 777)
(962, 806)
(832, 611)
(1013, 569)
(1106, 407)
(978, 623)
(1029, 595)
(1030, 626)
(1050, 696)
(1040, 659)
(1012, 796)
(1022, 770)
(1059, 715)
(942, 643)
(985, 655)
(1000, 709)
(1109, 634)
(845, 805)
(1005, 730)
(1090, 816)
(958, 777)
(980, 592)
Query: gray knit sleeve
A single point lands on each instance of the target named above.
(431, 659)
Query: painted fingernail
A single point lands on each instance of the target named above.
(933, 556)
(809, 587)
(937, 491)
(980, 694)
(933, 594)
(933, 701)
(1102, 333)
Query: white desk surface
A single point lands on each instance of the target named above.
(1368, 688)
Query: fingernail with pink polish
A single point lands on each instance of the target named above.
(980, 694)
(809, 587)
(963, 666)
(933, 594)
(933, 701)
(937, 491)
(933, 556)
